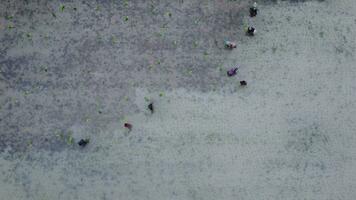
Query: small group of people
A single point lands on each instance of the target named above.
(251, 31)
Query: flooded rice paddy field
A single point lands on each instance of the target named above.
(72, 70)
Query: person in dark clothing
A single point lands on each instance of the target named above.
(243, 83)
(253, 10)
(83, 142)
(150, 107)
(251, 31)
(128, 126)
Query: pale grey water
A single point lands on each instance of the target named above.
(87, 68)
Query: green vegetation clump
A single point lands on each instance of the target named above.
(61, 8)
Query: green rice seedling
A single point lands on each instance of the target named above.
(113, 39)
(195, 44)
(70, 139)
(29, 143)
(44, 68)
(153, 10)
(126, 3)
(151, 66)
(61, 8)
(190, 72)
(9, 17)
(26, 93)
(59, 135)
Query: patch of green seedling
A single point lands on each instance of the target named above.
(97, 8)
(87, 119)
(190, 72)
(29, 35)
(195, 44)
(126, 3)
(45, 36)
(99, 39)
(113, 39)
(126, 18)
(44, 68)
(126, 98)
(9, 17)
(169, 14)
(132, 83)
(245, 27)
(150, 67)
(53, 14)
(98, 107)
(153, 11)
(206, 55)
(10, 26)
(29, 143)
(163, 31)
(59, 135)
(159, 34)
(51, 11)
(321, 34)
(164, 26)
(26, 93)
(62, 7)
(147, 99)
(161, 94)
(70, 139)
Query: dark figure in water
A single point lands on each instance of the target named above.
(251, 31)
(253, 10)
(150, 107)
(232, 72)
(83, 142)
(243, 83)
(128, 126)
(230, 45)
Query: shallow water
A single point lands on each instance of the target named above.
(289, 134)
